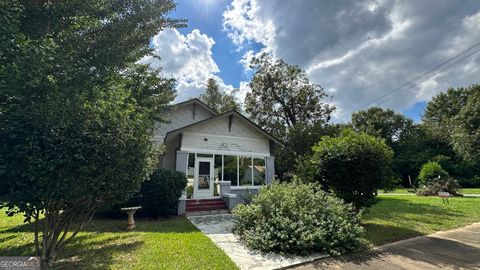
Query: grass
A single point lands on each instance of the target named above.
(470, 190)
(461, 190)
(397, 217)
(176, 244)
(155, 244)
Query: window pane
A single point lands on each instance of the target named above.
(230, 169)
(204, 175)
(190, 174)
(245, 170)
(258, 171)
(204, 155)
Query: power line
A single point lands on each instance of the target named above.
(433, 75)
(413, 82)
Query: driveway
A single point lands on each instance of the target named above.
(455, 249)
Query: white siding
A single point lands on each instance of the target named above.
(180, 117)
(214, 137)
(168, 159)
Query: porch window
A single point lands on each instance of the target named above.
(245, 170)
(258, 171)
(239, 170)
(230, 169)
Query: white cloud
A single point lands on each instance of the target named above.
(244, 22)
(187, 58)
(246, 59)
(243, 90)
(363, 49)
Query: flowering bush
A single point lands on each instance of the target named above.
(298, 218)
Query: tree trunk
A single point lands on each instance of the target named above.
(47, 264)
(55, 227)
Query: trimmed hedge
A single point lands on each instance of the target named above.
(298, 218)
(159, 194)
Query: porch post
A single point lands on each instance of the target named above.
(181, 163)
(270, 169)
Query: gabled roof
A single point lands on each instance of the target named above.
(196, 101)
(218, 116)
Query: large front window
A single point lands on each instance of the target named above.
(239, 170)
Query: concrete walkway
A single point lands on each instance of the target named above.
(455, 249)
(219, 229)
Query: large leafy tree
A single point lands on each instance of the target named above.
(443, 108)
(416, 148)
(221, 102)
(77, 113)
(294, 157)
(282, 97)
(382, 123)
(455, 117)
(466, 131)
(284, 102)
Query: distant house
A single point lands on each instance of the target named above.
(223, 155)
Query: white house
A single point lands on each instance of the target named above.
(223, 155)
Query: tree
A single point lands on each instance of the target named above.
(442, 109)
(298, 148)
(282, 96)
(454, 116)
(465, 137)
(382, 123)
(221, 102)
(77, 113)
(354, 166)
(419, 146)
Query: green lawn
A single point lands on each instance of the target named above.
(398, 217)
(176, 244)
(461, 190)
(470, 190)
(168, 244)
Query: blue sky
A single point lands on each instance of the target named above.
(207, 17)
(357, 50)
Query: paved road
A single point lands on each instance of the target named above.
(455, 249)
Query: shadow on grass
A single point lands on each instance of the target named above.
(99, 225)
(98, 244)
(379, 234)
(85, 251)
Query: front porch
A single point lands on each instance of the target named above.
(220, 180)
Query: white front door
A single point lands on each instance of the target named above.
(203, 186)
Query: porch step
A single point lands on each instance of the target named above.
(205, 205)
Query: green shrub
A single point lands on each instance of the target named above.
(354, 165)
(297, 218)
(159, 194)
(189, 192)
(431, 172)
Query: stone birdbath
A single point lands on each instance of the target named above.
(130, 211)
